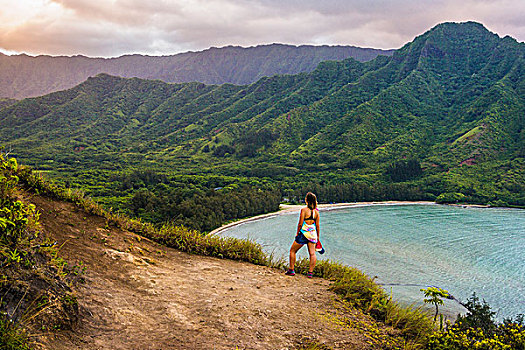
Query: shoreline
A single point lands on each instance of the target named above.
(290, 208)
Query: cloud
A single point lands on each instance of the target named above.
(116, 27)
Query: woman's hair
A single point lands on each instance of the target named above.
(311, 200)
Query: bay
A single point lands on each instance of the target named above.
(409, 247)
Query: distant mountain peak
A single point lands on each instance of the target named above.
(453, 31)
(460, 47)
(466, 24)
(28, 76)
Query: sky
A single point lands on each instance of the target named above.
(110, 28)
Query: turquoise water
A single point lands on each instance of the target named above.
(408, 247)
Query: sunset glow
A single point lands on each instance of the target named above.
(112, 28)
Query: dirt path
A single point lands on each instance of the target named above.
(140, 295)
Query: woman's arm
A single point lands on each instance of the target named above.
(317, 218)
(301, 220)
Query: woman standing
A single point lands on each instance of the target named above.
(307, 233)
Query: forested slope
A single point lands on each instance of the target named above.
(442, 118)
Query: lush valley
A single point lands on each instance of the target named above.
(443, 118)
(24, 76)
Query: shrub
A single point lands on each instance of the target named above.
(450, 197)
(12, 337)
(510, 336)
(194, 242)
(478, 330)
(498, 203)
(29, 271)
(223, 150)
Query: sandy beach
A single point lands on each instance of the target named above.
(289, 208)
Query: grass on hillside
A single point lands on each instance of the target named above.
(468, 135)
(11, 336)
(35, 282)
(363, 293)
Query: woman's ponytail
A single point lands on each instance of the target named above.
(311, 200)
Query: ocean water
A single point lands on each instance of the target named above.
(409, 247)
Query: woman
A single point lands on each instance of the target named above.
(307, 233)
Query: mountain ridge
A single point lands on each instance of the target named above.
(31, 76)
(452, 101)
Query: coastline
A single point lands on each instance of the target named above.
(291, 208)
(450, 310)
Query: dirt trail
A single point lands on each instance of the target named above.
(141, 295)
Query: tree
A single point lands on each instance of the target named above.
(433, 296)
(404, 170)
(223, 150)
(479, 315)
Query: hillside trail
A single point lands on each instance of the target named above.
(138, 294)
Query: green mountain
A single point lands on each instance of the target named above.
(4, 102)
(444, 116)
(24, 76)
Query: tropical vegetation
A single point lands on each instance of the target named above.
(443, 118)
(35, 282)
(477, 329)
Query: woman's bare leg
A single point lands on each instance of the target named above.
(313, 258)
(293, 250)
